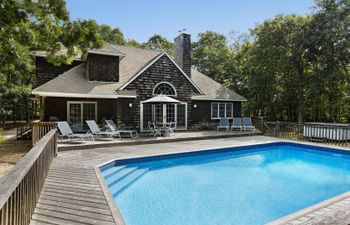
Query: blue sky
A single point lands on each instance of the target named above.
(140, 19)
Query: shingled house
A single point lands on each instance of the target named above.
(113, 82)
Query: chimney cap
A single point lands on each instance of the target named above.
(184, 31)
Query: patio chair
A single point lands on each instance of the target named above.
(236, 123)
(247, 124)
(224, 124)
(113, 127)
(95, 130)
(155, 131)
(170, 128)
(66, 131)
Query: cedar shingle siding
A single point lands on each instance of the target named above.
(201, 116)
(162, 70)
(45, 71)
(106, 108)
(102, 68)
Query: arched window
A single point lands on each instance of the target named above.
(164, 89)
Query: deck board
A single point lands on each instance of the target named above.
(72, 193)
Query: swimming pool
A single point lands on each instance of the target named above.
(241, 185)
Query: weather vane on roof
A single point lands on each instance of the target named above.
(182, 31)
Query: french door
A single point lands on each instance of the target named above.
(164, 113)
(79, 112)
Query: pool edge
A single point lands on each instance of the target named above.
(113, 208)
(279, 221)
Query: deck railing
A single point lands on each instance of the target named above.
(21, 186)
(326, 133)
(40, 129)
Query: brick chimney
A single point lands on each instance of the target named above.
(183, 52)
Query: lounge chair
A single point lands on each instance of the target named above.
(156, 131)
(247, 124)
(113, 127)
(95, 130)
(224, 124)
(236, 123)
(66, 131)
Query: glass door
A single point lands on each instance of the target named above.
(181, 114)
(170, 113)
(74, 116)
(79, 112)
(161, 113)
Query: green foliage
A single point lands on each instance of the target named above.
(290, 67)
(212, 56)
(113, 36)
(41, 26)
(160, 43)
(134, 43)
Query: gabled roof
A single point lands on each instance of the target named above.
(212, 90)
(74, 83)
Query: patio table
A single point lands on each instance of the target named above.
(164, 128)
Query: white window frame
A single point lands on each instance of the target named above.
(81, 110)
(164, 82)
(218, 110)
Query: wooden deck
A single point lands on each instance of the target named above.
(72, 193)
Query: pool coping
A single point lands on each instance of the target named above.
(119, 220)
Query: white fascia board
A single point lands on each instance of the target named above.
(77, 95)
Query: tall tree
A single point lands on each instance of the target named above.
(212, 56)
(160, 43)
(113, 36)
(35, 25)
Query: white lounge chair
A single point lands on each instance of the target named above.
(247, 124)
(224, 124)
(113, 127)
(95, 130)
(66, 131)
(237, 123)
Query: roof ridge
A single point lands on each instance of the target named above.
(130, 46)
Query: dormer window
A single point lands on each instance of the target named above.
(164, 88)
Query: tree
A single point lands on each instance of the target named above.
(134, 43)
(35, 25)
(159, 43)
(113, 36)
(212, 56)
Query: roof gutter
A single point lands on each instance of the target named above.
(77, 95)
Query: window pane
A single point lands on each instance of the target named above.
(75, 115)
(181, 116)
(147, 115)
(222, 110)
(229, 110)
(89, 113)
(214, 110)
(170, 113)
(164, 89)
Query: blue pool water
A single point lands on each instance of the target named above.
(249, 185)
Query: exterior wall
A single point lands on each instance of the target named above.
(106, 108)
(45, 71)
(161, 71)
(201, 116)
(126, 114)
(183, 52)
(102, 68)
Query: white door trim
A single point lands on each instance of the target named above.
(142, 129)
